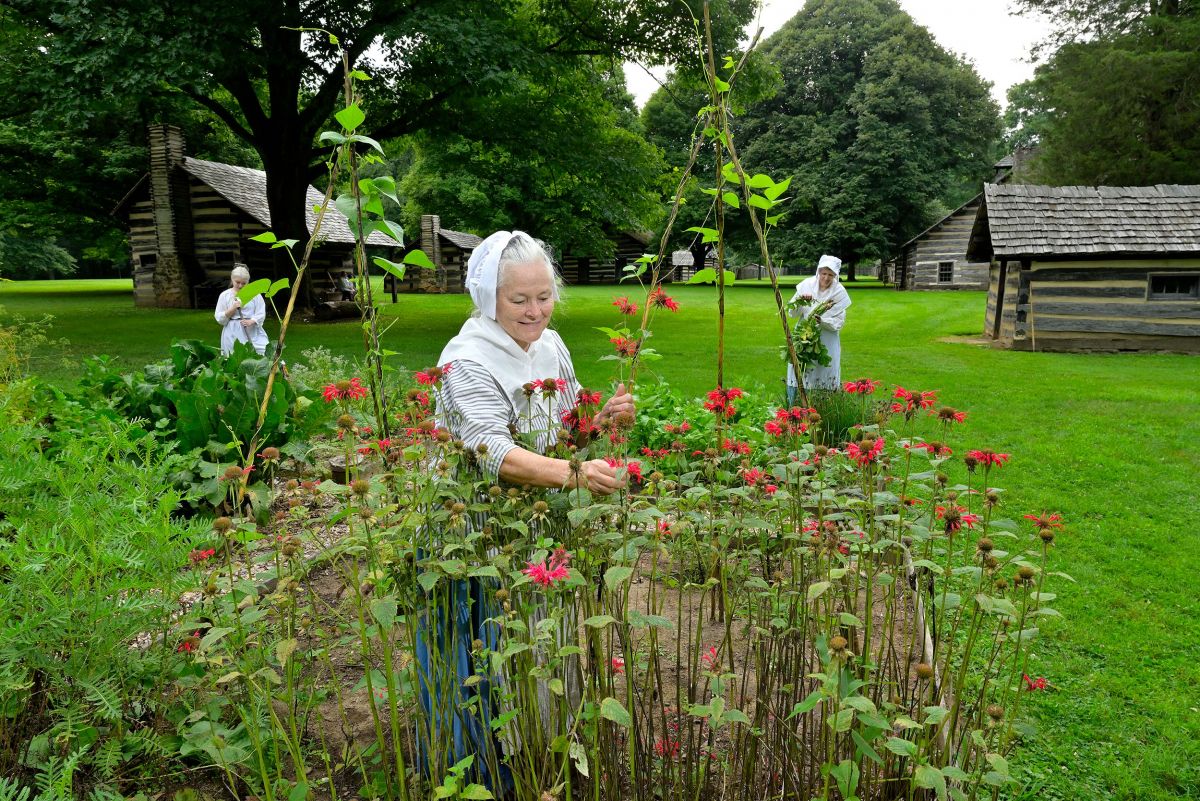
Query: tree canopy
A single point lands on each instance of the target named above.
(1121, 107)
(880, 126)
(275, 87)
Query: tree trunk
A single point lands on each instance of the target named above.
(850, 276)
(286, 164)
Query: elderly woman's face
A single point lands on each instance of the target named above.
(525, 301)
(237, 282)
(825, 278)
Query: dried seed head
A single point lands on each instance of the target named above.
(820, 450)
(541, 507)
(971, 462)
(270, 454)
(232, 472)
(481, 449)
(476, 645)
(343, 386)
(501, 594)
(346, 422)
(942, 478)
(625, 420)
(222, 524)
(985, 545)
(995, 712)
(514, 493)
(447, 504)
(1026, 572)
(951, 496)
(360, 487)
(838, 644)
(991, 562)
(924, 671)
(991, 500)
(458, 508)
(291, 546)
(656, 476)
(443, 436)
(1001, 584)
(1046, 535)
(292, 484)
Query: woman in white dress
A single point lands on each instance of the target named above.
(241, 323)
(829, 302)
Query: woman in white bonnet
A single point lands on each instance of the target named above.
(829, 302)
(485, 401)
(241, 323)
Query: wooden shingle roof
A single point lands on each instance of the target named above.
(463, 241)
(246, 188)
(1023, 221)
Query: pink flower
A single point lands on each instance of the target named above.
(549, 574)
(752, 476)
(618, 665)
(1045, 521)
(865, 456)
(666, 749)
(863, 386)
(633, 468)
(1039, 683)
(770, 489)
(710, 658)
(197, 557)
(719, 400)
(625, 347)
(988, 458)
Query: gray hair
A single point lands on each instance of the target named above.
(240, 271)
(523, 249)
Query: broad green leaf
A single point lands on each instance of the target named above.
(266, 237)
(931, 778)
(392, 229)
(611, 709)
(706, 276)
(476, 792)
(760, 202)
(760, 181)
(707, 234)
(807, 705)
(391, 267)
(277, 286)
(865, 749)
(773, 192)
(817, 589)
(253, 289)
(285, 243)
(616, 575)
(731, 199)
(368, 141)
(484, 571)
(579, 757)
(359, 75)
(284, 650)
(350, 117)
(599, 621)
(331, 136)
(722, 86)
(901, 747)
(384, 610)
(419, 259)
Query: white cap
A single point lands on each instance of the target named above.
(832, 262)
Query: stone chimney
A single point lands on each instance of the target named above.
(171, 203)
(430, 281)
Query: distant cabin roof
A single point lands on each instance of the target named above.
(246, 188)
(460, 239)
(1007, 161)
(1023, 220)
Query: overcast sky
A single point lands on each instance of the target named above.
(981, 30)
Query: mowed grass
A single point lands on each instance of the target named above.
(1109, 440)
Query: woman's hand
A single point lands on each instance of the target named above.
(248, 323)
(620, 403)
(599, 478)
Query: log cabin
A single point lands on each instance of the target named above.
(1077, 268)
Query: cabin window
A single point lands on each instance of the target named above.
(945, 272)
(1174, 287)
(225, 259)
(147, 261)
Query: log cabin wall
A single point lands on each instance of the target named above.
(1109, 304)
(1007, 302)
(937, 260)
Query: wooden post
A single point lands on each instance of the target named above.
(1001, 288)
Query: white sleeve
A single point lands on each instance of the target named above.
(259, 313)
(222, 305)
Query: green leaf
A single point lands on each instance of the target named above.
(931, 778)
(760, 181)
(722, 86)
(277, 286)
(707, 234)
(390, 267)
(285, 243)
(384, 611)
(760, 202)
(359, 75)
(579, 757)
(616, 575)
(731, 199)
(331, 136)
(392, 229)
(284, 650)
(599, 621)
(611, 709)
(706, 276)
(368, 141)
(901, 747)
(476, 792)
(807, 705)
(266, 237)
(253, 289)
(774, 191)
(350, 117)
(865, 749)
(419, 259)
(299, 792)
(484, 571)
(817, 589)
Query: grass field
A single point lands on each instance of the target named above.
(1112, 441)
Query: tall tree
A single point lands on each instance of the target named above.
(1121, 106)
(275, 87)
(877, 123)
(564, 160)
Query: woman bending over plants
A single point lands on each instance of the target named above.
(507, 386)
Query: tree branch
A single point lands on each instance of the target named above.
(227, 116)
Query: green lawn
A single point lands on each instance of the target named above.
(1110, 441)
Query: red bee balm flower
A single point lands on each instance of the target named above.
(863, 386)
(1039, 683)
(661, 300)
(633, 468)
(865, 456)
(625, 346)
(618, 665)
(344, 390)
(710, 658)
(624, 306)
(1045, 521)
(550, 574)
(719, 400)
(989, 458)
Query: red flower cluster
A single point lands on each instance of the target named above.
(380, 445)
(618, 665)
(932, 448)
(586, 398)
(770, 489)
(733, 446)
(548, 575)
(624, 306)
(433, 376)
(960, 517)
(710, 658)
(189, 644)
(989, 458)
(666, 749)
(549, 387)
(865, 456)
(1045, 521)
(626, 347)
(789, 422)
(633, 468)
(682, 428)
(863, 386)
(908, 402)
(1039, 683)
(198, 556)
(344, 390)
(662, 300)
(719, 401)
(752, 475)
(651, 453)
